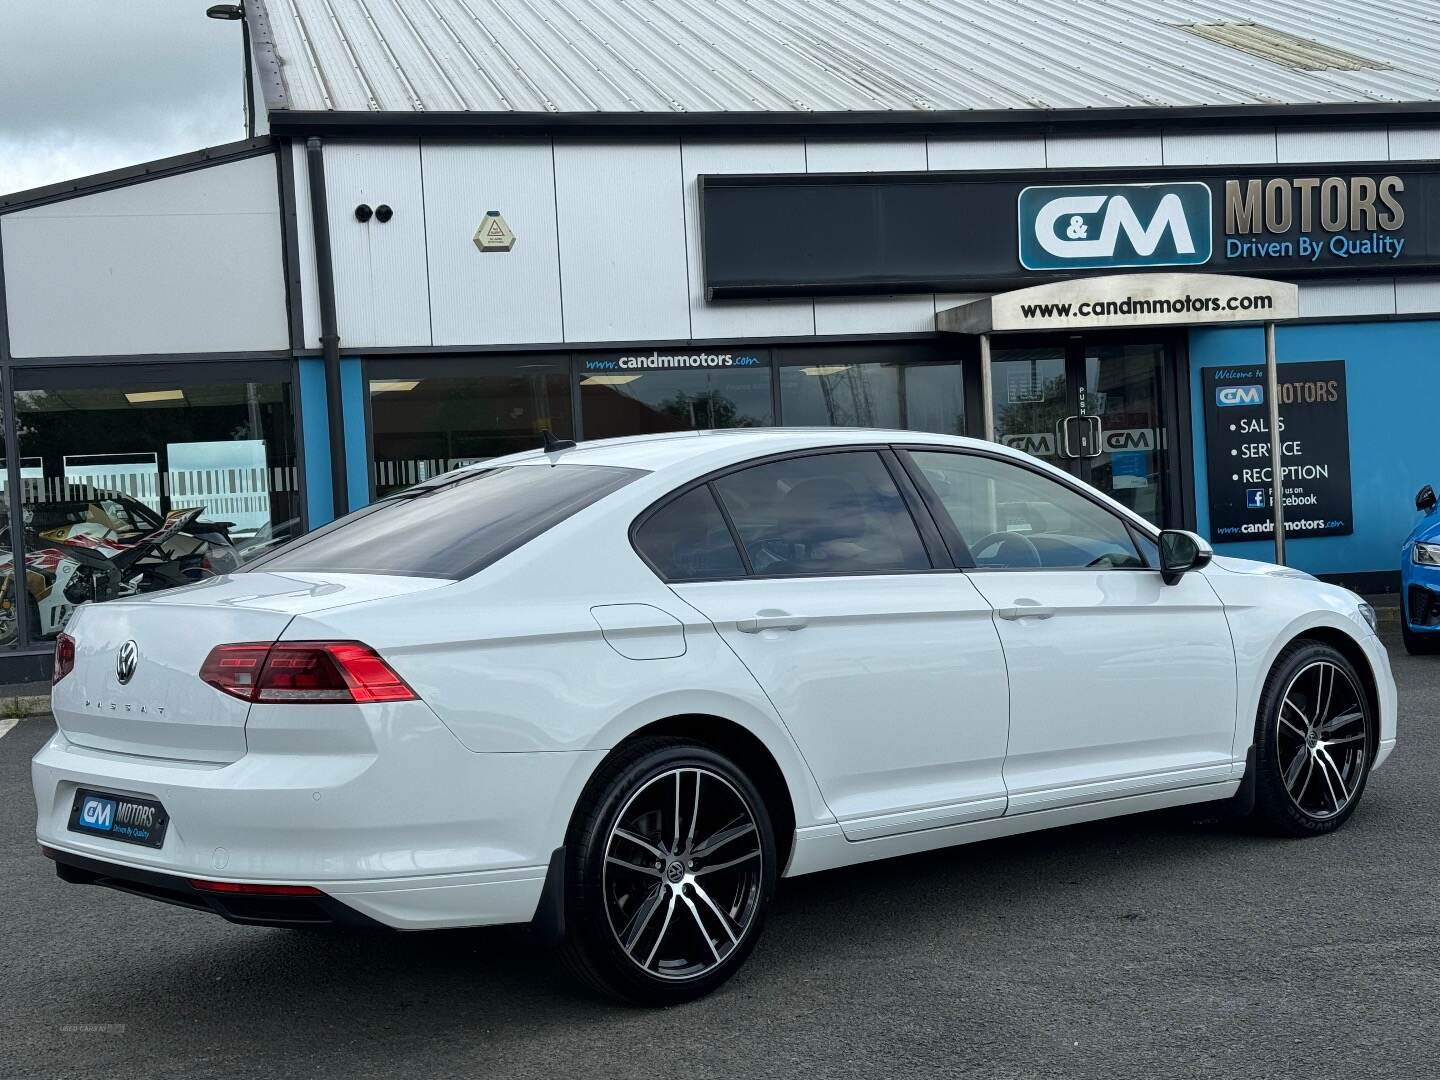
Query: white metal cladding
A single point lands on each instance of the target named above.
(305, 250)
(622, 240)
(381, 287)
(911, 313)
(671, 56)
(621, 261)
(771, 318)
(184, 263)
(382, 292)
(492, 298)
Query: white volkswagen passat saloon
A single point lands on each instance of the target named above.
(618, 689)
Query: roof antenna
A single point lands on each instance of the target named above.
(554, 445)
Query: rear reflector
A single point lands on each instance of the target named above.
(301, 672)
(250, 889)
(64, 658)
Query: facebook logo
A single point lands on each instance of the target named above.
(1255, 498)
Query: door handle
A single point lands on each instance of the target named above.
(771, 620)
(1062, 438)
(1025, 609)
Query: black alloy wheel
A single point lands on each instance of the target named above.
(672, 869)
(1314, 741)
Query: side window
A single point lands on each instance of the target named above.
(824, 514)
(1011, 517)
(686, 540)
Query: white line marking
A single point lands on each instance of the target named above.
(7, 724)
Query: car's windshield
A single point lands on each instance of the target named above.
(450, 526)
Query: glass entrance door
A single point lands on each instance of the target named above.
(1122, 443)
(1094, 409)
(1033, 394)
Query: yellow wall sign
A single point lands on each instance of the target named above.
(493, 234)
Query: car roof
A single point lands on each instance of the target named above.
(674, 458)
(684, 450)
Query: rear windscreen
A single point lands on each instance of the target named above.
(451, 526)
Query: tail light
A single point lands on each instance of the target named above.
(301, 672)
(64, 658)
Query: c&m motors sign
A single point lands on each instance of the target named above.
(850, 234)
(1094, 226)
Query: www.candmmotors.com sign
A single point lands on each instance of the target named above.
(1080, 227)
(655, 360)
(877, 233)
(1164, 298)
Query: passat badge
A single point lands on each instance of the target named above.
(126, 661)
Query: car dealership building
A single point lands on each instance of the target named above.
(463, 223)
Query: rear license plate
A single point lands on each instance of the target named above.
(119, 817)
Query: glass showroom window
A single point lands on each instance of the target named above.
(432, 417)
(833, 392)
(9, 639)
(656, 391)
(157, 482)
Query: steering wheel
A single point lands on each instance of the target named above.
(774, 549)
(1023, 551)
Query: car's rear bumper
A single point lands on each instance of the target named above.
(486, 898)
(401, 824)
(247, 909)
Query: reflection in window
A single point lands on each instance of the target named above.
(436, 418)
(1010, 517)
(688, 540)
(453, 526)
(917, 397)
(138, 489)
(642, 402)
(822, 514)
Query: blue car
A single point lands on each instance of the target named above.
(1420, 579)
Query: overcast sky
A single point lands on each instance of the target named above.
(89, 85)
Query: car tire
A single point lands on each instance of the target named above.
(670, 870)
(1315, 736)
(1418, 644)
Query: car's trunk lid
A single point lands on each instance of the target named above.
(149, 700)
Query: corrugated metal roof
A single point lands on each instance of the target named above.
(830, 56)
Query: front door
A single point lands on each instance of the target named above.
(1095, 409)
(884, 663)
(1119, 683)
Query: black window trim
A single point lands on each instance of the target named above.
(961, 550)
(931, 538)
(732, 528)
(469, 569)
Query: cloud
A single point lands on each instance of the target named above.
(89, 85)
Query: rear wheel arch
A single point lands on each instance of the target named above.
(736, 742)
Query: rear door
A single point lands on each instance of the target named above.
(1119, 683)
(881, 658)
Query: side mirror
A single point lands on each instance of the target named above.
(1180, 552)
(1425, 499)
